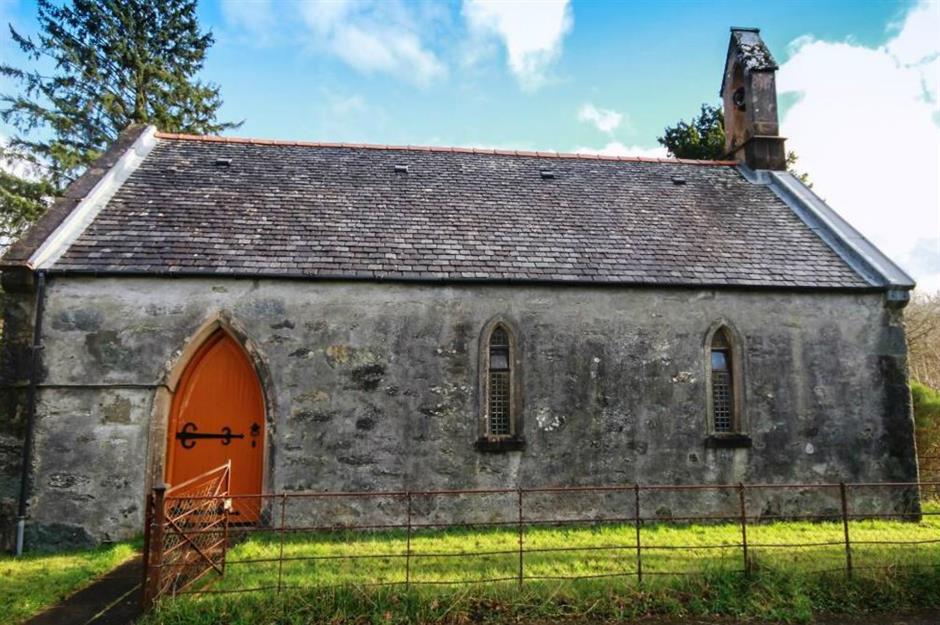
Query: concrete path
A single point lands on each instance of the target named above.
(112, 600)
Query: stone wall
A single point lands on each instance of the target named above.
(15, 362)
(374, 387)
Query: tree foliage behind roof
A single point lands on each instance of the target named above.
(23, 198)
(704, 138)
(701, 138)
(113, 63)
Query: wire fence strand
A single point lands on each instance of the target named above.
(464, 537)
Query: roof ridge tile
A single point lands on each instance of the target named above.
(177, 136)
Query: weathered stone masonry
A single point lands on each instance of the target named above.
(374, 386)
(359, 280)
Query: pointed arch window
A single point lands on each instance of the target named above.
(499, 387)
(500, 401)
(724, 378)
(722, 383)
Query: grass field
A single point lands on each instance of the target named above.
(688, 569)
(31, 583)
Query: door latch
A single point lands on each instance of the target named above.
(189, 435)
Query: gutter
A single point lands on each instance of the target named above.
(30, 410)
(382, 277)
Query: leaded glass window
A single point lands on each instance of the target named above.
(499, 385)
(722, 379)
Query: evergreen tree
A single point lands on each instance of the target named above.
(100, 65)
(704, 138)
(23, 195)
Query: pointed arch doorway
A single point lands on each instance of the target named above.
(217, 415)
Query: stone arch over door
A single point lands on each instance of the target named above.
(222, 340)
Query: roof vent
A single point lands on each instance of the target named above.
(678, 180)
(401, 169)
(547, 174)
(223, 162)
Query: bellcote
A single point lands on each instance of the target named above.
(749, 96)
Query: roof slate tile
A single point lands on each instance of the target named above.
(340, 211)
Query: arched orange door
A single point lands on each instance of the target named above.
(217, 416)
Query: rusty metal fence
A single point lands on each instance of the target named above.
(186, 533)
(408, 538)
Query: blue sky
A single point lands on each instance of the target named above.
(858, 84)
(652, 62)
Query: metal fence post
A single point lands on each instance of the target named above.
(747, 564)
(519, 491)
(280, 559)
(636, 521)
(148, 521)
(845, 529)
(154, 542)
(226, 508)
(408, 544)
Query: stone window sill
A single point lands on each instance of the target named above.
(729, 440)
(507, 443)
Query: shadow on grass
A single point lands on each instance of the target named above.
(31, 583)
(770, 595)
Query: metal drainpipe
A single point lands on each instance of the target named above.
(30, 409)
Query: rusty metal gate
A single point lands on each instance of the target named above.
(186, 533)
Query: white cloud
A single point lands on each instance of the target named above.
(503, 146)
(615, 148)
(531, 31)
(866, 127)
(346, 105)
(371, 36)
(605, 120)
(254, 16)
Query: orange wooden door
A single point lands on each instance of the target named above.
(217, 416)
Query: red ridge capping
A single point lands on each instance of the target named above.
(368, 146)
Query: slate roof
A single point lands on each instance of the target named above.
(754, 52)
(243, 208)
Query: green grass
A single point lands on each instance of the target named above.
(926, 402)
(31, 583)
(769, 596)
(686, 576)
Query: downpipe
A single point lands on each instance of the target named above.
(30, 410)
(20, 530)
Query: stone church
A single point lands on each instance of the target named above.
(369, 317)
